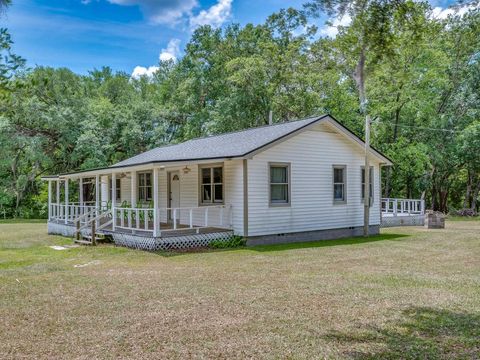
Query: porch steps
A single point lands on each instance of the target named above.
(83, 242)
(87, 239)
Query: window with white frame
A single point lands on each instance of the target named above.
(371, 184)
(279, 184)
(145, 186)
(339, 183)
(211, 185)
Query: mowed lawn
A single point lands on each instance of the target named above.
(409, 293)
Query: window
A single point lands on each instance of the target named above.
(145, 186)
(117, 189)
(279, 184)
(211, 185)
(371, 183)
(339, 183)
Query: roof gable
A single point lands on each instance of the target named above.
(229, 145)
(244, 143)
(239, 144)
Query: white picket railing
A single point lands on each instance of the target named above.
(142, 219)
(202, 216)
(402, 207)
(133, 218)
(67, 213)
(171, 219)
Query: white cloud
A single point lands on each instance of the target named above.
(161, 11)
(331, 30)
(441, 13)
(215, 16)
(172, 51)
(140, 71)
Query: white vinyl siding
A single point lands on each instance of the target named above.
(311, 154)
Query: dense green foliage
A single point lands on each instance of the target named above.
(421, 78)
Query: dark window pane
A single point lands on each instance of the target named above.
(337, 175)
(279, 193)
(278, 175)
(206, 176)
(218, 193)
(141, 180)
(206, 193)
(149, 193)
(148, 179)
(338, 192)
(217, 175)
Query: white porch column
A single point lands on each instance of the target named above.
(114, 192)
(105, 189)
(57, 200)
(156, 223)
(134, 190)
(66, 201)
(49, 199)
(80, 187)
(57, 197)
(97, 191)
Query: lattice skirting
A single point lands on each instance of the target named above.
(413, 220)
(60, 229)
(170, 243)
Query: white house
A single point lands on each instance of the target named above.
(294, 181)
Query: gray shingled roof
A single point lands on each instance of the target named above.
(230, 145)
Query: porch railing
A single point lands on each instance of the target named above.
(69, 212)
(402, 207)
(172, 219)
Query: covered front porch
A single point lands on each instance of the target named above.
(149, 202)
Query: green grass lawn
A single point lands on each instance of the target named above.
(409, 293)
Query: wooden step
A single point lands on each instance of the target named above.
(84, 242)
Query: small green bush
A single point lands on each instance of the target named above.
(235, 241)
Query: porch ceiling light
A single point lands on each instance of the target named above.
(186, 169)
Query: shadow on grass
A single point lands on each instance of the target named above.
(423, 333)
(326, 243)
(23, 221)
(293, 246)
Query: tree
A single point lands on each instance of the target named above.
(370, 38)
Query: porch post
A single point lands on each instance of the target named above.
(66, 201)
(49, 199)
(57, 200)
(134, 190)
(156, 224)
(80, 189)
(57, 197)
(114, 192)
(97, 191)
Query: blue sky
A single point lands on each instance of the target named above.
(123, 34)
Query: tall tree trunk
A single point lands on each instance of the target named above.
(476, 192)
(468, 192)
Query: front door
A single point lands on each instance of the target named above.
(174, 188)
